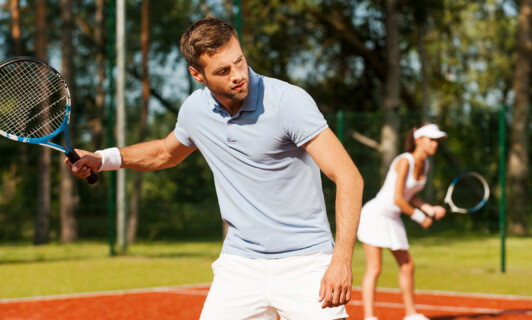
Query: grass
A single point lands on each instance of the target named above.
(27, 270)
(458, 264)
(463, 265)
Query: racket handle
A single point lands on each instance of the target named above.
(74, 157)
(429, 217)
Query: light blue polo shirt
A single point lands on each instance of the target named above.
(268, 187)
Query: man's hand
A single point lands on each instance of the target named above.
(87, 161)
(336, 284)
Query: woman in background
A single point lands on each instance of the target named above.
(380, 222)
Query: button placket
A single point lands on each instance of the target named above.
(228, 130)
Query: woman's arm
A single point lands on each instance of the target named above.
(436, 212)
(401, 168)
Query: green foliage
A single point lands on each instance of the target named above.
(334, 49)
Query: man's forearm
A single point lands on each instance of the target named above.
(145, 156)
(348, 206)
(155, 154)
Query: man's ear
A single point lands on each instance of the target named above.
(198, 76)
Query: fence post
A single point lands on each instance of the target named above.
(111, 204)
(502, 170)
(340, 125)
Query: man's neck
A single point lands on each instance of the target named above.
(231, 106)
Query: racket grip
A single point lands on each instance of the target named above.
(74, 157)
(428, 216)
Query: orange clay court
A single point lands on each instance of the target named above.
(185, 303)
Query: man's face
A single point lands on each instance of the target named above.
(225, 74)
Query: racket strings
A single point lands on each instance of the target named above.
(468, 192)
(22, 95)
(32, 100)
(36, 94)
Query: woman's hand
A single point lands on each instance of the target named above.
(426, 223)
(436, 212)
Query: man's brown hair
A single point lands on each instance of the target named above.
(206, 35)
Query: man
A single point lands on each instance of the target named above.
(265, 141)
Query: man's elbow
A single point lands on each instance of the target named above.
(353, 179)
(357, 177)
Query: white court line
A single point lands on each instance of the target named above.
(200, 289)
(189, 292)
(456, 293)
(185, 288)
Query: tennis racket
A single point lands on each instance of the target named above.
(467, 193)
(35, 105)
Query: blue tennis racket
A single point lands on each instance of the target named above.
(35, 105)
(467, 193)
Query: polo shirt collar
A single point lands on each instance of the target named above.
(251, 101)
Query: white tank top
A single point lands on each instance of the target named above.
(412, 186)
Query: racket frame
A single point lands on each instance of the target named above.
(448, 196)
(44, 141)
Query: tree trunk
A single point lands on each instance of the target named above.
(18, 51)
(15, 29)
(68, 194)
(518, 149)
(42, 221)
(428, 191)
(96, 123)
(425, 102)
(137, 188)
(390, 128)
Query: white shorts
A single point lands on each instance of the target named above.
(245, 288)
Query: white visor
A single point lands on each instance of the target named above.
(431, 131)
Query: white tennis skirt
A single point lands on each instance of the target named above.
(382, 227)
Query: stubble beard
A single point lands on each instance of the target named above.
(239, 96)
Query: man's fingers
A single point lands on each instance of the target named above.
(322, 292)
(327, 300)
(335, 289)
(345, 296)
(326, 293)
(339, 297)
(87, 162)
(336, 296)
(348, 295)
(78, 165)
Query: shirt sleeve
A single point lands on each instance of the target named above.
(301, 119)
(181, 132)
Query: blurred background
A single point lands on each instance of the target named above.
(376, 68)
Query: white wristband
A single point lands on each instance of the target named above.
(111, 159)
(418, 216)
